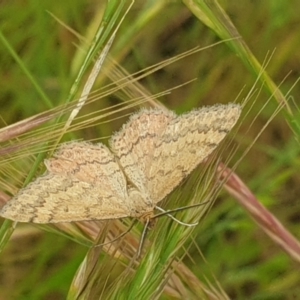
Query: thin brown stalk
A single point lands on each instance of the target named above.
(262, 216)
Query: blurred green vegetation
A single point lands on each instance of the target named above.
(246, 263)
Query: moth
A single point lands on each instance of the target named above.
(151, 154)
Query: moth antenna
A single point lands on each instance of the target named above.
(167, 212)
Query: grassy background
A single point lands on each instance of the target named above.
(246, 263)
